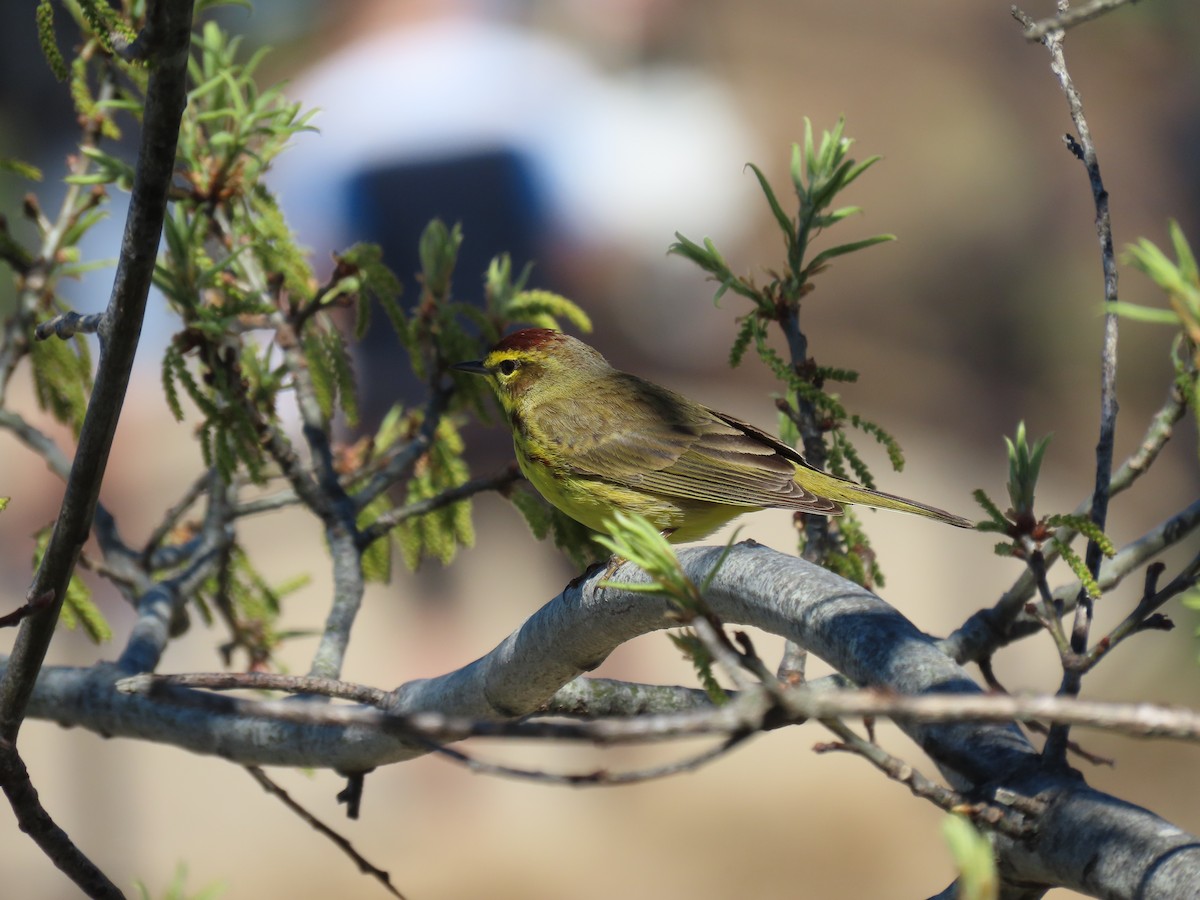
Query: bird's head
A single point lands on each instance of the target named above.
(535, 363)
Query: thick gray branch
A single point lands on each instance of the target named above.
(1083, 836)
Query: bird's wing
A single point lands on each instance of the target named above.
(669, 445)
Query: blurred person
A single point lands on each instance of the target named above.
(460, 110)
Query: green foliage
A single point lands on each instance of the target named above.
(1024, 466)
(331, 371)
(21, 168)
(577, 541)
(249, 605)
(13, 251)
(819, 173)
(1180, 281)
(854, 560)
(1087, 528)
(632, 537)
(438, 534)
(1077, 565)
(438, 252)
(78, 609)
(996, 519)
(254, 323)
(973, 857)
(105, 24)
(177, 889)
(44, 15)
(534, 510)
(818, 176)
(365, 276)
(377, 558)
(701, 659)
(4, 501)
(1191, 600)
(62, 378)
(230, 263)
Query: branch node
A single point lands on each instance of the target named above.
(68, 325)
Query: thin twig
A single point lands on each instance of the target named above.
(747, 711)
(69, 324)
(1085, 150)
(995, 817)
(401, 460)
(338, 840)
(1069, 18)
(258, 681)
(53, 841)
(172, 515)
(32, 605)
(1050, 613)
(500, 481)
(597, 777)
(990, 629)
(1133, 555)
(1138, 619)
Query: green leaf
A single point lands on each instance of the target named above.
(695, 652)
(1077, 565)
(842, 249)
(78, 610)
(1183, 253)
(1024, 466)
(44, 16)
(973, 857)
(544, 308)
(170, 361)
(377, 558)
(62, 378)
(319, 373)
(989, 506)
(534, 510)
(21, 168)
(786, 225)
(1139, 313)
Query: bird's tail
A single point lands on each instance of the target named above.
(843, 491)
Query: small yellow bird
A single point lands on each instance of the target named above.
(592, 439)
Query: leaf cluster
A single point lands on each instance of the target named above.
(1179, 279)
(810, 415)
(1022, 525)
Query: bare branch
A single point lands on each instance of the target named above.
(32, 605)
(36, 822)
(1085, 149)
(1069, 18)
(501, 481)
(165, 99)
(320, 827)
(69, 324)
(257, 681)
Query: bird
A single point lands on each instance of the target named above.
(592, 440)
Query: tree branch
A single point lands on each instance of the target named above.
(165, 99)
(1078, 839)
(1069, 18)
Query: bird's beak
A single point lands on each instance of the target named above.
(475, 367)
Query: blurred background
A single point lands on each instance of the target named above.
(583, 135)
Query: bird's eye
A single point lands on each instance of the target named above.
(507, 366)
